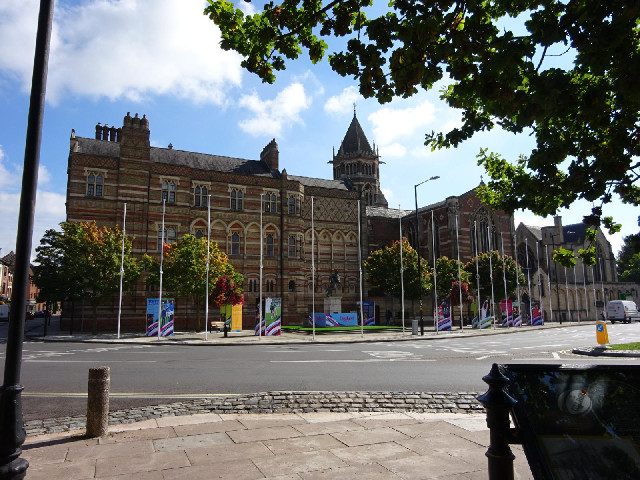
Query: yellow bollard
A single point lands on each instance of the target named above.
(601, 332)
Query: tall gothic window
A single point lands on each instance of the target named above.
(269, 246)
(270, 203)
(368, 195)
(292, 205)
(235, 244)
(170, 236)
(94, 185)
(200, 196)
(169, 192)
(236, 199)
(292, 246)
(483, 233)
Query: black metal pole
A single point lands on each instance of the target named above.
(415, 189)
(555, 264)
(12, 433)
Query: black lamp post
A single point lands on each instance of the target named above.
(12, 433)
(415, 189)
(555, 264)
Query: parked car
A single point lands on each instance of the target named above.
(29, 315)
(39, 314)
(624, 311)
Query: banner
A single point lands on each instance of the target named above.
(232, 317)
(369, 310)
(506, 307)
(273, 315)
(444, 318)
(166, 324)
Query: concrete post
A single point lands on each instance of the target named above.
(98, 402)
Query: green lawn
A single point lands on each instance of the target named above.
(297, 328)
(625, 346)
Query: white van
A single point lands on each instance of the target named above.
(622, 310)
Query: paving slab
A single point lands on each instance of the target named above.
(217, 453)
(133, 465)
(79, 470)
(360, 472)
(176, 420)
(300, 462)
(318, 428)
(257, 434)
(431, 466)
(138, 447)
(302, 444)
(369, 437)
(192, 441)
(208, 427)
(368, 454)
(134, 435)
(232, 470)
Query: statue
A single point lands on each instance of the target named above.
(334, 281)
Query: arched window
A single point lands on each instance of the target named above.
(236, 199)
(235, 244)
(196, 199)
(199, 234)
(292, 205)
(269, 246)
(483, 233)
(292, 286)
(270, 203)
(91, 185)
(292, 246)
(172, 192)
(170, 236)
(165, 191)
(99, 186)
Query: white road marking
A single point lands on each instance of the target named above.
(367, 360)
(555, 355)
(53, 360)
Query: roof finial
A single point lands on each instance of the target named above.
(354, 109)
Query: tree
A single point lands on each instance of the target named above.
(185, 269)
(83, 261)
(383, 270)
(498, 60)
(226, 291)
(629, 259)
(492, 261)
(447, 276)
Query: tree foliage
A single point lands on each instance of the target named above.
(383, 271)
(629, 259)
(83, 261)
(447, 275)
(492, 262)
(226, 291)
(567, 72)
(185, 269)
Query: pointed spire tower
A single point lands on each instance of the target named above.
(357, 163)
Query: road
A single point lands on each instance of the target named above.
(55, 374)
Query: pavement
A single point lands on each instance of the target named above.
(307, 442)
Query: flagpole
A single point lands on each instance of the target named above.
(313, 275)
(586, 295)
(206, 293)
(515, 250)
(493, 298)
(475, 230)
(261, 267)
(595, 305)
(538, 274)
(504, 280)
(575, 289)
(546, 251)
(401, 266)
(360, 268)
(435, 278)
(526, 248)
(459, 276)
(161, 261)
(124, 229)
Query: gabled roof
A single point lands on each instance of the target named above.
(320, 182)
(386, 212)
(574, 233)
(9, 259)
(355, 142)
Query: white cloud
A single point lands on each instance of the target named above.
(395, 150)
(392, 124)
(7, 177)
(122, 49)
(342, 103)
(270, 117)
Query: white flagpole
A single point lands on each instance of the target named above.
(459, 276)
(546, 251)
(161, 261)
(360, 267)
(575, 289)
(493, 298)
(124, 230)
(566, 289)
(401, 267)
(604, 298)
(539, 282)
(313, 275)
(261, 266)
(526, 247)
(595, 305)
(515, 250)
(206, 293)
(504, 280)
(435, 277)
(479, 304)
(586, 295)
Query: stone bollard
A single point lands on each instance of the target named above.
(98, 402)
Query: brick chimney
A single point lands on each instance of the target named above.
(270, 155)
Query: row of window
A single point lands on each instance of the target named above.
(95, 182)
(355, 168)
(269, 250)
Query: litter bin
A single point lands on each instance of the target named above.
(414, 327)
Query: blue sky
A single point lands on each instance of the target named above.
(161, 58)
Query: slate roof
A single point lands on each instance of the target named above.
(320, 182)
(386, 212)
(9, 259)
(169, 156)
(355, 141)
(574, 233)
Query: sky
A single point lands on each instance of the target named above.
(162, 58)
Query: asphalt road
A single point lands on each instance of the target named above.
(55, 374)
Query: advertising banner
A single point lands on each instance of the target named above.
(369, 310)
(232, 317)
(273, 315)
(166, 323)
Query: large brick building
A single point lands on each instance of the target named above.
(118, 165)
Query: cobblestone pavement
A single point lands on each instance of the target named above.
(280, 402)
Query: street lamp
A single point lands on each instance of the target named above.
(553, 246)
(415, 189)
